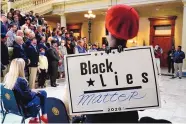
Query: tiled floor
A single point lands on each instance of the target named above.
(173, 101)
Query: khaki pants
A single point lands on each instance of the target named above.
(178, 66)
(158, 65)
(32, 77)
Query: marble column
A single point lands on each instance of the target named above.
(63, 20)
(10, 4)
(184, 34)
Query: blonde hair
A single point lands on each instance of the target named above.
(16, 70)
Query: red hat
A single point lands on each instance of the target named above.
(122, 22)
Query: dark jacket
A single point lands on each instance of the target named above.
(22, 91)
(19, 52)
(119, 117)
(70, 50)
(39, 37)
(179, 56)
(170, 54)
(43, 45)
(33, 55)
(3, 28)
(4, 54)
(52, 55)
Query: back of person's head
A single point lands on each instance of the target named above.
(19, 40)
(27, 32)
(16, 70)
(32, 35)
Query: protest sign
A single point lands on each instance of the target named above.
(102, 83)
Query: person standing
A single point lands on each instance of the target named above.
(3, 22)
(121, 27)
(33, 55)
(4, 55)
(53, 59)
(178, 57)
(69, 46)
(42, 68)
(157, 52)
(39, 34)
(170, 60)
(43, 43)
(11, 35)
(80, 47)
(19, 50)
(63, 51)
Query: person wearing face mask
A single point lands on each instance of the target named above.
(42, 43)
(63, 52)
(33, 55)
(42, 68)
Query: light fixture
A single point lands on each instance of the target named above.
(89, 16)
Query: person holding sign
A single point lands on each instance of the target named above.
(122, 22)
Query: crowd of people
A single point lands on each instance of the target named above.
(29, 37)
(174, 60)
(30, 46)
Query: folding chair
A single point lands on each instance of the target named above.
(2, 111)
(11, 106)
(56, 111)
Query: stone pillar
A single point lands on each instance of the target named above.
(10, 4)
(63, 20)
(184, 34)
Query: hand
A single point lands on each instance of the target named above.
(39, 70)
(28, 61)
(35, 90)
(46, 70)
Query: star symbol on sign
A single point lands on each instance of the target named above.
(90, 82)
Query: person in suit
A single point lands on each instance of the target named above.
(53, 59)
(19, 50)
(5, 55)
(43, 44)
(58, 37)
(69, 46)
(39, 34)
(15, 80)
(171, 60)
(33, 55)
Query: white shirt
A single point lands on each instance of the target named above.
(43, 62)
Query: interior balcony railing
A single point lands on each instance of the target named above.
(27, 5)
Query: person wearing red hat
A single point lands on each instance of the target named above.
(122, 23)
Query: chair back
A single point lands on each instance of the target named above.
(9, 101)
(56, 111)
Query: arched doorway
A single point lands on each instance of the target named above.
(162, 33)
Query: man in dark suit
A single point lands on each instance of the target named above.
(33, 55)
(53, 59)
(43, 44)
(4, 55)
(19, 51)
(39, 33)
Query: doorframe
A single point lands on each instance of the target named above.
(162, 21)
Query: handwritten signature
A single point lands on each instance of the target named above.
(95, 98)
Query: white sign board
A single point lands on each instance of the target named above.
(102, 83)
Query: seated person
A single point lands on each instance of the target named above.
(15, 80)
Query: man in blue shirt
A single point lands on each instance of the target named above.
(178, 57)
